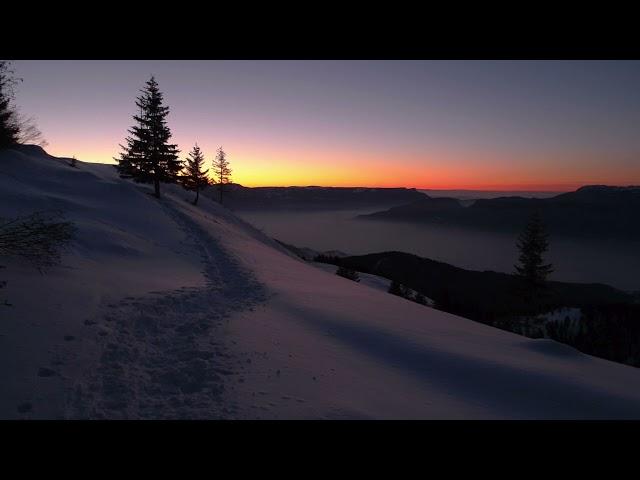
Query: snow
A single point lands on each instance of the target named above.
(165, 310)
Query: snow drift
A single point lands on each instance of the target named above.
(165, 310)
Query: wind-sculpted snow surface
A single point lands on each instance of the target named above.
(164, 354)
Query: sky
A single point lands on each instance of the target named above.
(487, 125)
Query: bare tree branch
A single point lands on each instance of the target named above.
(28, 132)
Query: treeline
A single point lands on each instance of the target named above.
(150, 157)
(610, 331)
(607, 331)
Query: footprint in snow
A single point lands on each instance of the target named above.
(151, 372)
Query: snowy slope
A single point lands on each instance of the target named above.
(165, 310)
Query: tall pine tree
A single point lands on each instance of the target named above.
(532, 244)
(221, 170)
(9, 128)
(148, 156)
(193, 177)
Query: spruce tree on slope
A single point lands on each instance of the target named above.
(532, 244)
(9, 128)
(148, 156)
(194, 178)
(221, 171)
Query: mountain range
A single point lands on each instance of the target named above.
(312, 197)
(595, 210)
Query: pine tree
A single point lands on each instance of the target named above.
(532, 244)
(194, 178)
(9, 128)
(148, 156)
(221, 170)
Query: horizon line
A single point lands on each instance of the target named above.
(517, 187)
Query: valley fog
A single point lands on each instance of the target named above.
(615, 263)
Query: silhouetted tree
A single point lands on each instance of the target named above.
(73, 162)
(221, 170)
(532, 244)
(28, 132)
(15, 128)
(194, 178)
(9, 128)
(148, 156)
(348, 273)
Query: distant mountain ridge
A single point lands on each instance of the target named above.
(240, 197)
(471, 195)
(593, 210)
(494, 291)
(607, 316)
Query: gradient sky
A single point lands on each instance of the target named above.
(513, 125)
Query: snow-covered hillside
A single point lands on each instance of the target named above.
(165, 310)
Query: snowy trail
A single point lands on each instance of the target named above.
(164, 354)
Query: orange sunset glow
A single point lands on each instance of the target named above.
(515, 126)
(436, 170)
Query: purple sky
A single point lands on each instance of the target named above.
(426, 124)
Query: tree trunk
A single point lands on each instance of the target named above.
(195, 202)
(156, 183)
